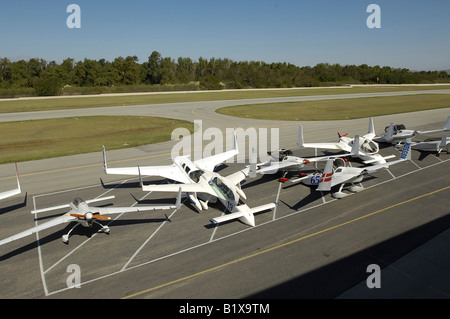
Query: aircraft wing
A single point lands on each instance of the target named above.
(119, 210)
(405, 155)
(13, 192)
(54, 222)
(185, 188)
(241, 214)
(10, 193)
(210, 162)
(239, 176)
(168, 171)
(275, 166)
(328, 146)
(445, 128)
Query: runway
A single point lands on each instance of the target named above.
(310, 246)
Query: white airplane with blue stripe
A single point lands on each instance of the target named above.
(342, 175)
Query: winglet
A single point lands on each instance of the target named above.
(371, 126)
(105, 167)
(443, 142)
(141, 183)
(447, 124)
(18, 182)
(300, 140)
(406, 152)
(355, 146)
(235, 145)
(327, 176)
(178, 202)
(390, 132)
(253, 159)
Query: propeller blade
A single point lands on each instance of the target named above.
(93, 216)
(101, 217)
(78, 215)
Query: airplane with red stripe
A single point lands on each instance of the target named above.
(368, 148)
(342, 175)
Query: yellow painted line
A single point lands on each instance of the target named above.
(284, 245)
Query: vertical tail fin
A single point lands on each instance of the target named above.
(390, 132)
(178, 202)
(18, 182)
(406, 152)
(253, 159)
(300, 140)
(141, 182)
(371, 126)
(105, 167)
(355, 146)
(443, 142)
(235, 144)
(447, 124)
(327, 176)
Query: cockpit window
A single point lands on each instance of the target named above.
(221, 189)
(369, 147)
(77, 201)
(195, 175)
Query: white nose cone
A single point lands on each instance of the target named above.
(248, 219)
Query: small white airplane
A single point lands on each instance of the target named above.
(368, 151)
(431, 145)
(289, 161)
(343, 174)
(181, 169)
(211, 186)
(204, 186)
(84, 215)
(398, 133)
(13, 192)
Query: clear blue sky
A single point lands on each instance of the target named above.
(414, 34)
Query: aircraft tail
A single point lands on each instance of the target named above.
(447, 124)
(105, 166)
(390, 132)
(300, 140)
(327, 176)
(406, 152)
(244, 214)
(443, 142)
(253, 160)
(371, 127)
(178, 201)
(17, 178)
(355, 147)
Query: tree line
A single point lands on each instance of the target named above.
(40, 77)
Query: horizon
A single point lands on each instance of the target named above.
(413, 34)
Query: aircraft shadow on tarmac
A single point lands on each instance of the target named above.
(335, 278)
(80, 231)
(11, 208)
(134, 184)
(310, 198)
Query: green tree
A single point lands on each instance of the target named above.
(48, 84)
(151, 70)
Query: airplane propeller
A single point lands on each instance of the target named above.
(89, 216)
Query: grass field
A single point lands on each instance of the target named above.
(32, 140)
(338, 109)
(58, 103)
